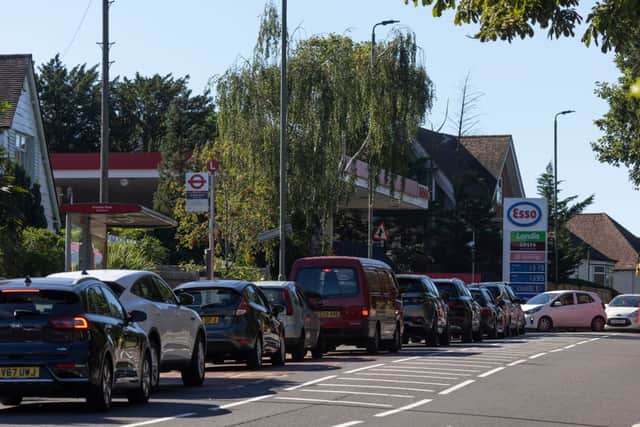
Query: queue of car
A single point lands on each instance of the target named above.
(102, 332)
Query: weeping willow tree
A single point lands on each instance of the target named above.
(339, 105)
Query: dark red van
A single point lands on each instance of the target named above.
(356, 299)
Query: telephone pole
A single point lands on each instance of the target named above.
(104, 113)
(283, 146)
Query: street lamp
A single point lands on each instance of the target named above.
(370, 178)
(555, 188)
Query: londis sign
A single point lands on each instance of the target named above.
(524, 214)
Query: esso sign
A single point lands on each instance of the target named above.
(524, 214)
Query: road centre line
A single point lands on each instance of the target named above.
(241, 402)
(403, 408)
(569, 346)
(364, 393)
(411, 376)
(343, 402)
(517, 362)
(391, 381)
(426, 371)
(349, 424)
(556, 350)
(428, 368)
(160, 420)
(405, 360)
(594, 339)
(379, 387)
(535, 356)
(491, 372)
(364, 369)
(310, 382)
(457, 387)
(582, 342)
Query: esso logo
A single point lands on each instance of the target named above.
(524, 214)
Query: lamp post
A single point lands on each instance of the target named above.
(283, 146)
(370, 179)
(555, 189)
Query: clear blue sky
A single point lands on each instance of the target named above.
(525, 83)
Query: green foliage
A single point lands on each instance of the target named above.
(569, 253)
(620, 142)
(29, 203)
(42, 252)
(608, 22)
(134, 249)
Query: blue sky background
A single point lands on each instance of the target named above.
(524, 83)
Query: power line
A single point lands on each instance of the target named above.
(75, 34)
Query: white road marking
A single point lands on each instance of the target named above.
(160, 420)
(343, 402)
(349, 424)
(310, 382)
(444, 363)
(430, 371)
(594, 339)
(242, 402)
(569, 346)
(517, 362)
(493, 371)
(470, 358)
(364, 393)
(535, 356)
(582, 342)
(437, 377)
(457, 387)
(391, 381)
(555, 350)
(399, 368)
(364, 369)
(379, 387)
(407, 359)
(403, 408)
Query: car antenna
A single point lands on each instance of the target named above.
(27, 281)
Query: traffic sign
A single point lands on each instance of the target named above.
(380, 233)
(197, 181)
(197, 192)
(213, 166)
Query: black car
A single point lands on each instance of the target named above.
(464, 312)
(506, 300)
(425, 313)
(70, 338)
(491, 316)
(239, 321)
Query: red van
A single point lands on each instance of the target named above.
(357, 300)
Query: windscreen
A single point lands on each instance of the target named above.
(541, 299)
(318, 282)
(36, 302)
(213, 297)
(410, 285)
(625, 301)
(447, 288)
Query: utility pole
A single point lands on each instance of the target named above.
(283, 145)
(555, 190)
(104, 113)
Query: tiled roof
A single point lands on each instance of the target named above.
(490, 150)
(13, 69)
(590, 252)
(608, 237)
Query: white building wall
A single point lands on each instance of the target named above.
(626, 282)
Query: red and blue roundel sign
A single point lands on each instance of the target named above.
(524, 214)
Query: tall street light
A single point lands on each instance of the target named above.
(283, 146)
(555, 188)
(370, 177)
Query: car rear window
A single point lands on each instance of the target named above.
(447, 288)
(410, 285)
(274, 295)
(36, 302)
(495, 291)
(117, 288)
(213, 297)
(479, 297)
(318, 282)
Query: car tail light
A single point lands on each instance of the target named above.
(70, 322)
(243, 307)
(287, 302)
(486, 310)
(11, 291)
(364, 312)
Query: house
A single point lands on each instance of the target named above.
(595, 266)
(606, 236)
(21, 129)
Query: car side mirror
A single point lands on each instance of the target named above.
(556, 304)
(277, 309)
(185, 299)
(137, 316)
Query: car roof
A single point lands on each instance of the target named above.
(411, 276)
(237, 285)
(273, 283)
(332, 259)
(107, 275)
(50, 283)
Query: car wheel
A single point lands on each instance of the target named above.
(493, 333)
(11, 400)
(545, 324)
(373, 344)
(254, 359)
(396, 345)
(279, 358)
(445, 338)
(597, 324)
(467, 333)
(299, 351)
(477, 335)
(194, 374)
(141, 394)
(319, 349)
(155, 365)
(99, 397)
(431, 337)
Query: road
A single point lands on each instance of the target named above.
(561, 379)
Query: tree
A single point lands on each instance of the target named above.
(569, 255)
(11, 217)
(608, 22)
(42, 252)
(620, 142)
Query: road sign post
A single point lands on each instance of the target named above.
(212, 166)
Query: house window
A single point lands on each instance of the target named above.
(21, 153)
(601, 275)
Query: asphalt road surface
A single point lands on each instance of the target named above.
(561, 379)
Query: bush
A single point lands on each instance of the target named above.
(42, 252)
(135, 251)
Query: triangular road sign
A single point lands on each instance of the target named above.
(380, 233)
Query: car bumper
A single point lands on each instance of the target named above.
(230, 340)
(44, 388)
(617, 323)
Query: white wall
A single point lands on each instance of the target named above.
(625, 281)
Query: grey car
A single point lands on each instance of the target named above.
(301, 323)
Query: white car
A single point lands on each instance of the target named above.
(565, 309)
(175, 332)
(622, 312)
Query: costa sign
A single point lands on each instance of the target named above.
(524, 214)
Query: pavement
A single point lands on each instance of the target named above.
(554, 379)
